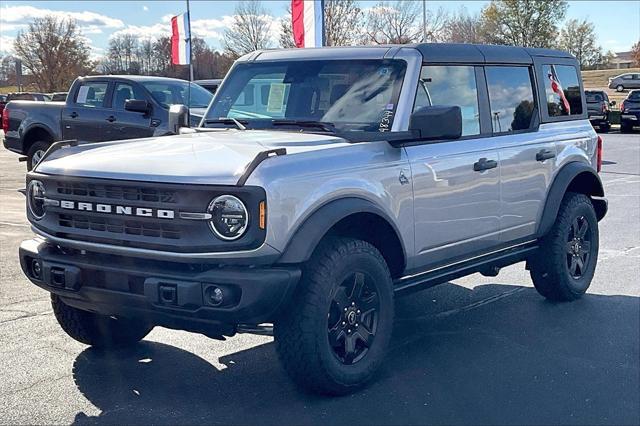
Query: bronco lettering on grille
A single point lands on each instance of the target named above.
(116, 209)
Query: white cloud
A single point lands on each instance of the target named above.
(6, 44)
(145, 8)
(21, 15)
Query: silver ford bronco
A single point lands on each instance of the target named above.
(320, 184)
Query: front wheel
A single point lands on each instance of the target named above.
(564, 266)
(619, 88)
(98, 330)
(335, 333)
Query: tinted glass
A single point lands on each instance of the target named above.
(124, 92)
(562, 90)
(634, 96)
(511, 98)
(176, 92)
(92, 94)
(594, 97)
(353, 95)
(451, 86)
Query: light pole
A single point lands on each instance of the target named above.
(424, 21)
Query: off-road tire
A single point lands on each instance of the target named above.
(97, 330)
(37, 147)
(302, 335)
(550, 267)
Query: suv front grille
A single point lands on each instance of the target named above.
(116, 192)
(119, 226)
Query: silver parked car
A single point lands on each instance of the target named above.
(625, 81)
(321, 184)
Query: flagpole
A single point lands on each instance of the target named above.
(190, 64)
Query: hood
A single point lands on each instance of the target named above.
(211, 157)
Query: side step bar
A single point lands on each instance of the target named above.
(489, 262)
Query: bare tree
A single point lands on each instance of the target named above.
(579, 39)
(635, 54)
(529, 23)
(285, 38)
(393, 23)
(250, 29)
(54, 51)
(462, 27)
(342, 22)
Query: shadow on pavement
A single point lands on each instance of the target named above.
(493, 355)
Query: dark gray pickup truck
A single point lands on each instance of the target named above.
(100, 108)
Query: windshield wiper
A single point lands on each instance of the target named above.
(228, 120)
(322, 125)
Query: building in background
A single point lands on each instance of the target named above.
(623, 60)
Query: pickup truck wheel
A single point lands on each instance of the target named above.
(605, 127)
(97, 330)
(335, 333)
(625, 128)
(564, 266)
(36, 152)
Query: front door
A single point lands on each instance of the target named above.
(125, 124)
(456, 184)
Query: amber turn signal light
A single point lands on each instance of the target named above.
(263, 215)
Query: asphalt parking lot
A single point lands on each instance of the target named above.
(474, 351)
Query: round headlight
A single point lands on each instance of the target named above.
(35, 199)
(229, 217)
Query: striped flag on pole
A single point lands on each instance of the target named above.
(180, 40)
(307, 19)
(557, 88)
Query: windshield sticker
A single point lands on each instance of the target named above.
(385, 121)
(276, 97)
(389, 107)
(82, 94)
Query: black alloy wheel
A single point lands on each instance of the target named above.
(578, 247)
(353, 318)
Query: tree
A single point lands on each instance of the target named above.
(342, 22)
(285, 38)
(635, 54)
(579, 39)
(54, 51)
(464, 28)
(250, 29)
(393, 23)
(529, 23)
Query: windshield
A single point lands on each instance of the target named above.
(354, 95)
(634, 96)
(594, 97)
(177, 92)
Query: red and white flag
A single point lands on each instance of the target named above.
(180, 40)
(307, 19)
(557, 88)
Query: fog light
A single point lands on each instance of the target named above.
(215, 295)
(36, 269)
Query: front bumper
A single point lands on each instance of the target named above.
(174, 295)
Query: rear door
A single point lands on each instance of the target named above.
(85, 117)
(456, 183)
(123, 124)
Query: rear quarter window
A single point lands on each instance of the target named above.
(562, 90)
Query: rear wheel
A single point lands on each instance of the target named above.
(335, 334)
(36, 152)
(564, 267)
(605, 127)
(625, 128)
(98, 330)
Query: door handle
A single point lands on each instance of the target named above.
(111, 119)
(73, 114)
(545, 154)
(484, 164)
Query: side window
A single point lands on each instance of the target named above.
(451, 85)
(562, 90)
(92, 94)
(511, 98)
(124, 92)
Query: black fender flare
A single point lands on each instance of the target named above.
(576, 176)
(307, 236)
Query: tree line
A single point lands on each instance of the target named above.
(54, 51)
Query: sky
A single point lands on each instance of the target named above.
(617, 23)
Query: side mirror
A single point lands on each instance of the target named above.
(178, 117)
(437, 122)
(137, 105)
